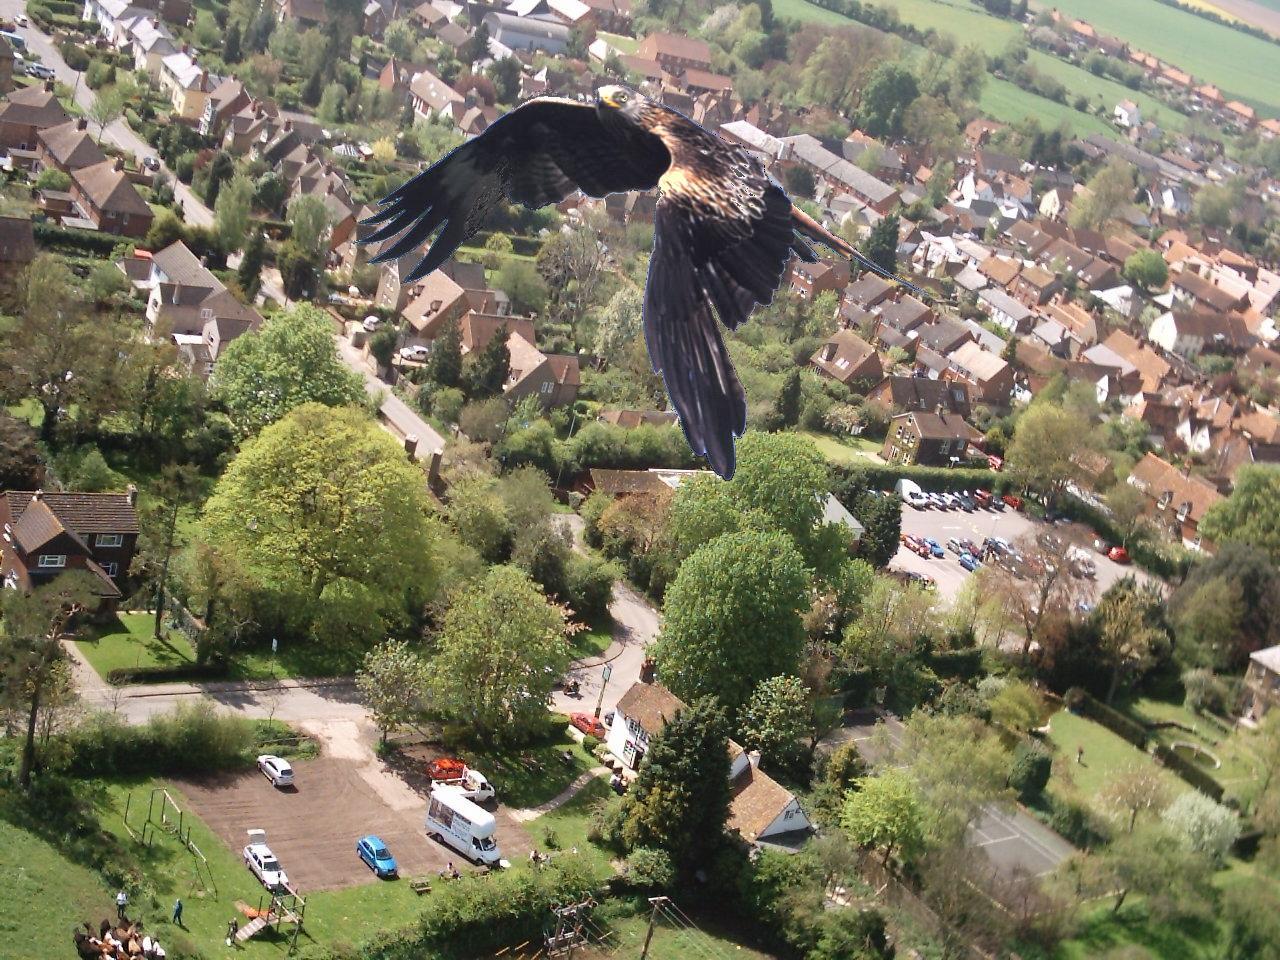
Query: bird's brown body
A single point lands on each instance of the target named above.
(724, 229)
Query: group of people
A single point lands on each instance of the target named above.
(450, 872)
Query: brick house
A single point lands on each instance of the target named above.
(1176, 501)
(552, 378)
(107, 197)
(675, 53)
(47, 533)
(1261, 688)
(934, 438)
(847, 358)
(990, 376)
(26, 112)
(810, 279)
(901, 394)
(67, 147)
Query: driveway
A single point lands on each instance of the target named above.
(1016, 843)
(400, 419)
(118, 133)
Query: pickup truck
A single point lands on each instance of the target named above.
(453, 774)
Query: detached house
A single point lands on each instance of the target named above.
(989, 376)
(552, 378)
(929, 438)
(1176, 501)
(47, 533)
(1192, 332)
(26, 112)
(67, 147)
(107, 197)
(761, 809)
(848, 358)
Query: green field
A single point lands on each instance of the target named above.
(129, 641)
(808, 13)
(1100, 89)
(1242, 66)
(845, 450)
(1003, 101)
(43, 896)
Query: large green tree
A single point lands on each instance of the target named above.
(680, 801)
(290, 361)
(231, 213)
(21, 465)
(329, 524)
(1174, 881)
(392, 682)
(1048, 441)
(31, 647)
(501, 649)
(1249, 514)
(1227, 607)
(891, 90)
(444, 364)
(776, 719)
(884, 812)
(1131, 632)
(881, 247)
(732, 617)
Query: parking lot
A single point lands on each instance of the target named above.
(314, 827)
(1011, 524)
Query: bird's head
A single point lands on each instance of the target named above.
(615, 99)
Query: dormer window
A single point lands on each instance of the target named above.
(1165, 499)
(1183, 511)
(206, 313)
(52, 561)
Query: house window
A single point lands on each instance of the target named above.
(1164, 500)
(206, 313)
(1195, 542)
(789, 814)
(546, 387)
(53, 561)
(111, 569)
(109, 540)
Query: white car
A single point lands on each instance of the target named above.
(371, 323)
(416, 352)
(262, 863)
(276, 769)
(39, 71)
(916, 499)
(22, 20)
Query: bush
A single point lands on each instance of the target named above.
(649, 869)
(1115, 721)
(192, 672)
(479, 914)
(590, 586)
(194, 738)
(590, 743)
(1076, 823)
(1191, 772)
(959, 664)
(845, 765)
(933, 479)
(1029, 774)
(69, 240)
(99, 74)
(446, 404)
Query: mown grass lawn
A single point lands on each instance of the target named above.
(844, 450)
(1106, 756)
(43, 896)
(594, 641)
(129, 641)
(1240, 766)
(528, 776)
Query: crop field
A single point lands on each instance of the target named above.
(1003, 101)
(807, 12)
(1242, 66)
(1080, 81)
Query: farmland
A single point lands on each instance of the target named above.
(1001, 100)
(1241, 65)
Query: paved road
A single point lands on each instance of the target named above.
(1015, 842)
(398, 414)
(942, 525)
(118, 133)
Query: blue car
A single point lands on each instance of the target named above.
(376, 856)
(970, 562)
(934, 547)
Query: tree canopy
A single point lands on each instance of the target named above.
(1249, 514)
(289, 362)
(732, 617)
(328, 522)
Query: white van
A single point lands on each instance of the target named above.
(455, 821)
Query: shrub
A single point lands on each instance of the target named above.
(446, 404)
(1193, 774)
(70, 240)
(51, 178)
(1205, 826)
(1115, 721)
(650, 869)
(99, 74)
(590, 585)
(590, 743)
(1076, 823)
(845, 765)
(193, 738)
(1029, 773)
(185, 672)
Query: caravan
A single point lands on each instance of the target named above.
(455, 821)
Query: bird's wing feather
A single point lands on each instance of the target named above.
(537, 154)
(723, 256)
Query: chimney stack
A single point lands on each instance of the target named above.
(38, 495)
(82, 124)
(119, 164)
(411, 446)
(131, 492)
(647, 670)
(753, 757)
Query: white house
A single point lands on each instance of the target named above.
(1127, 114)
(1176, 200)
(760, 808)
(1014, 316)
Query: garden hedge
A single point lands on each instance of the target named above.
(76, 241)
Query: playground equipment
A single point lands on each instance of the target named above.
(281, 908)
(166, 818)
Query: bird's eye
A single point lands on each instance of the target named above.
(621, 98)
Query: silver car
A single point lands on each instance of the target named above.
(276, 769)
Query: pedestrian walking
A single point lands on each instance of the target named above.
(122, 901)
(177, 912)
(1080, 755)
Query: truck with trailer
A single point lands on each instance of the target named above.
(456, 822)
(454, 774)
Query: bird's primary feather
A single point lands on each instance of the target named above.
(724, 230)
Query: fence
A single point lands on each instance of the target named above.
(165, 817)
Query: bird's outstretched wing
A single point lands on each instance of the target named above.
(537, 154)
(718, 251)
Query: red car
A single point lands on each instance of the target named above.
(1011, 500)
(588, 725)
(1118, 555)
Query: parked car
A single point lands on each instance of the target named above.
(951, 500)
(453, 774)
(262, 863)
(982, 498)
(915, 545)
(371, 323)
(416, 352)
(588, 725)
(151, 163)
(934, 546)
(1016, 502)
(961, 546)
(40, 71)
(276, 769)
(376, 856)
(22, 20)
(967, 503)
(914, 498)
(1118, 555)
(970, 562)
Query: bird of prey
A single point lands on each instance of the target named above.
(724, 229)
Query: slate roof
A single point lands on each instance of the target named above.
(649, 704)
(81, 512)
